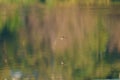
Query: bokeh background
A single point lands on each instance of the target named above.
(59, 39)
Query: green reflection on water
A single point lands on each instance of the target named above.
(31, 45)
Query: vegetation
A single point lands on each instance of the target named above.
(58, 39)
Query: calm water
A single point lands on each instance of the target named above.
(61, 43)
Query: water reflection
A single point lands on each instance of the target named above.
(16, 75)
(59, 43)
(20, 75)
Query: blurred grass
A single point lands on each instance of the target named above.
(83, 57)
(58, 2)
